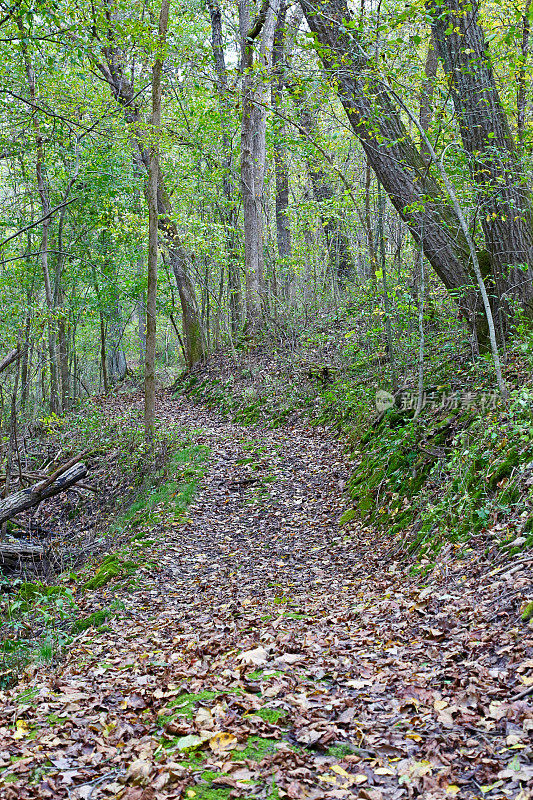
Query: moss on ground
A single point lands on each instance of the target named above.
(111, 568)
(272, 715)
(339, 750)
(256, 749)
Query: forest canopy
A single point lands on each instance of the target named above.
(277, 158)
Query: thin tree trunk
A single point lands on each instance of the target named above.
(386, 299)
(283, 231)
(426, 95)
(521, 91)
(368, 225)
(153, 226)
(42, 187)
(252, 241)
(338, 246)
(473, 254)
(421, 302)
(230, 215)
(114, 73)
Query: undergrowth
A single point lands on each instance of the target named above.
(39, 618)
(463, 467)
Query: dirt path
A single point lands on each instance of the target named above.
(272, 654)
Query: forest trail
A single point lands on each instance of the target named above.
(273, 654)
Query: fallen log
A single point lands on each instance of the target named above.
(33, 495)
(12, 553)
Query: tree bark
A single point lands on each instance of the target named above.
(230, 215)
(153, 226)
(253, 150)
(281, 168)
(521, 90)
(33, 495)
(413, 190)
(14, 355)
(426, 95)
(193, 332)
(506, 213)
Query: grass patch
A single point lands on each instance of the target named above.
(271, 715)
(169, 490)
(98, 618)
(184, 705)
(256, 749)
(112, 567)
(339, 750)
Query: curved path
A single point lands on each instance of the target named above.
(268, 653)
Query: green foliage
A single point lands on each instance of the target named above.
(97, 618)
(272, 715)
(339, 750)
(348, 516)
(34, 626)
(185, 703)
(256, 749)
(113, 566)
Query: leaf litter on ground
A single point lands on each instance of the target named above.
(272, 654)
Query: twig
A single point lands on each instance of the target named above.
(523, 694)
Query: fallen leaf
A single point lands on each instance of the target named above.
(223, 742)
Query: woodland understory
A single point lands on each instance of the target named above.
(266, 395)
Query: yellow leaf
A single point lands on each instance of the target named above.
(452, 789)
(360, 778)
(23, 729)
(341, 771)
(414, 736)
(438, 705)
(222, 742)
(384, 771)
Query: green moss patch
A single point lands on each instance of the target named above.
(256, 749)
(272, 715)
(111, 568)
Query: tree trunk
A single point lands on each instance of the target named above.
(230, 215)
(43, 189)
(114, 73)
(253, 149)
(506, 214)
(27, 498)
(521, 91)
(283, 231)
(426, 95)
(413, 190)
(153, 227)
(193, 332)
(338, 246)
(368, 225)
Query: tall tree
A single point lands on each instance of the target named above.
(230, 212)
(114, 70)
(153, 225)
(281, 168)
(505, 202)
(376, 118)
(253, 145)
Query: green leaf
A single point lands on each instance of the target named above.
(190, 742)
